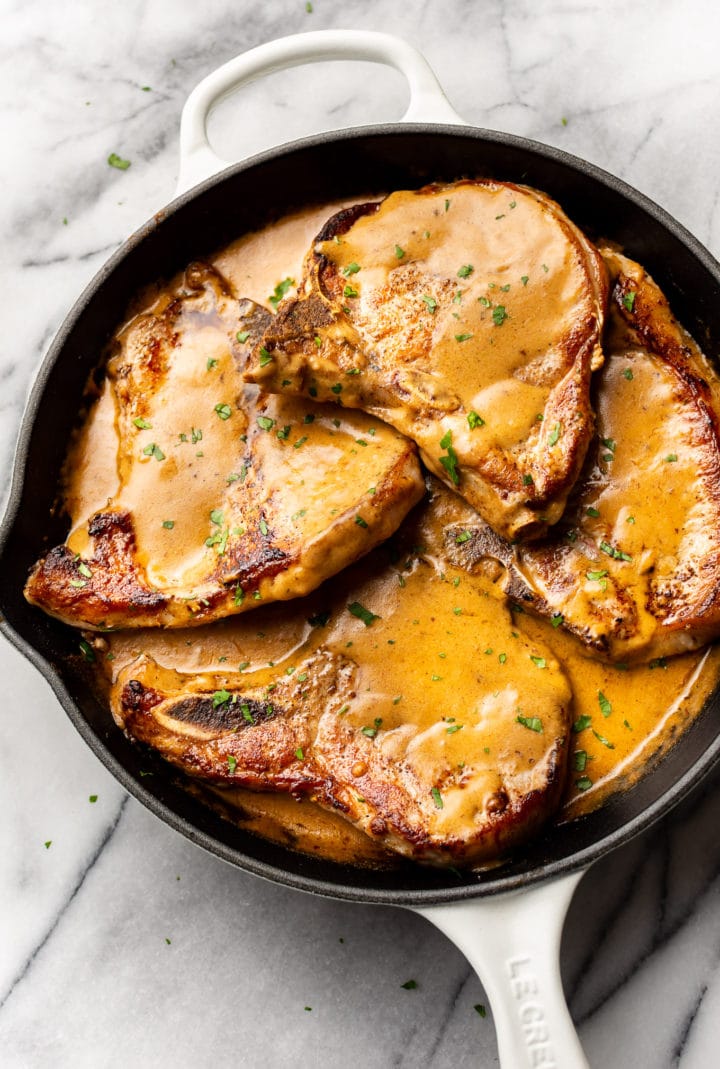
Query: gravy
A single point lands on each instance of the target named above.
(623, 719)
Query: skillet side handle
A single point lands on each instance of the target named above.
(513, 943)
(428, 103)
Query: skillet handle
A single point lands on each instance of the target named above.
(427, 100)
(513, 943)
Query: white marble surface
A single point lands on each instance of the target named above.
(121, 944)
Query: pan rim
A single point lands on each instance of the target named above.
(576, 860)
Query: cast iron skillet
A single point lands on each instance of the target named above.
(507, 921)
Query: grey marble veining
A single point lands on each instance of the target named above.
(121, 944)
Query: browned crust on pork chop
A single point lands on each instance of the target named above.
(254, 498)
(472, 328)
(633, 570)
(405, 700)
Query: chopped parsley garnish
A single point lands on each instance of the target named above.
(534, 723)
(671, 458)
(616, 554)
(265, 359)
(284, 432)
(465, 271)
(87, 651)
(463, 337)
(499, 315)
(220, 697)
(371, 732)
(598, 575)
(580, 760)
(603, 740)
(450, 462)
(453, 728)
(540, 662)
(84, 570)
(168, 524)
(554, 435)
(629, 300)
(301, 757)
(627, 373)
(351, 269)
(525, 279)
(216, 517)
(431, 303)
(300, 442)
(584, 783)
(410, 985)
(224, 411)
(242, 336)
(239, 596)
(142, 424)
(502, 658)
(196, 435)
(360, 521)
(604, 703)
(581, 724)
(350, 291)
(117, 161)
(358, 610)
(263, 526)
(280, 291)
(592, 512)
(337, 388)
(474, 420)
(265, 423)
(464, 536)
(556, 619)
(153, 450)
(479, 1008)
(437, 799)
(399, 252)
(232, 764)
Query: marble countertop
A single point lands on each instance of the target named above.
(122, 944)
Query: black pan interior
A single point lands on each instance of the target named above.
(244, 198)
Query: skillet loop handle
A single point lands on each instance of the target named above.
(427, 100)
(513, 943)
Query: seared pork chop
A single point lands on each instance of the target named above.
(634, 568)
(468, 316)
(399, 696)
(212, 496)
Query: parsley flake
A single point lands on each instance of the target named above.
(358, 610)
(280, 291)
(450, 462)
(533, 723)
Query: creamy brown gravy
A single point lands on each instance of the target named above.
(646, 707)
(532, 249)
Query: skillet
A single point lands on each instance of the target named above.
(507, 921)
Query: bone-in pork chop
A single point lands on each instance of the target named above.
(210, 496)
(634, 568)
(468, 316)
(399, 696)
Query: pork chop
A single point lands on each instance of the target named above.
(210, 496)
(633, 570)
(399, 696)
(468, 316)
